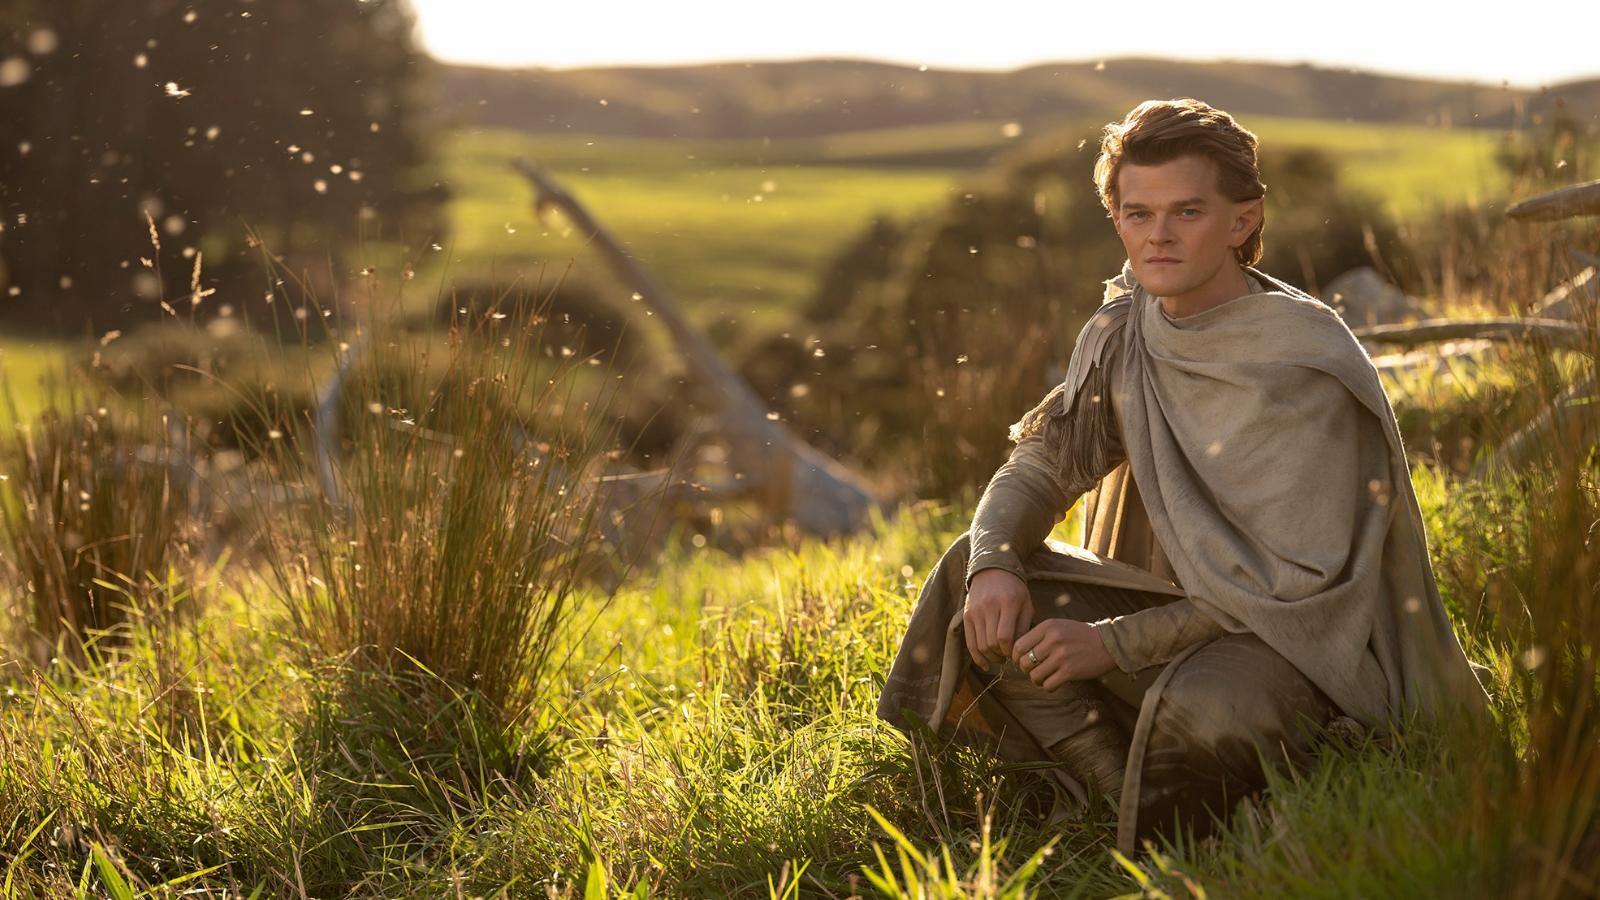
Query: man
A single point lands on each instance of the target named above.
(1255, 564)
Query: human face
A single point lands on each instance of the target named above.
(1180, 232)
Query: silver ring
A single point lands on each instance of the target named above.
(1032, 658)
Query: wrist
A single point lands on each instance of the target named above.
(1106, 631)
(996, 574)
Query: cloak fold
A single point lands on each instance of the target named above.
(1282, 507)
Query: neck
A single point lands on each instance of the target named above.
(1228, 283)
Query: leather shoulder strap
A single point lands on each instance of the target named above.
(1090, 350)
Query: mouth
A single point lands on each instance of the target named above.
(1161, 259)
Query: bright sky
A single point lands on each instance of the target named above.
(1527, 44)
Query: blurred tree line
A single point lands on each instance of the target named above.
(299, 119)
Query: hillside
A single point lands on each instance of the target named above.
(808, 98)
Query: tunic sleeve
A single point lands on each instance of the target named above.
(1063, 449)
(1155, 635)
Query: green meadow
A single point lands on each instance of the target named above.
(449, 681)
(740, 230)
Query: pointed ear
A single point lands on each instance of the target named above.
(1248, 217)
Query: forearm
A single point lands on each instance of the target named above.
(1155, 635)
(1019, 507)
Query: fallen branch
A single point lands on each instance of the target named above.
(1552, 331)
(794, 479)
(1566, 203)
(1570, 300)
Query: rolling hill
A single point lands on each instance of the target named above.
(810, 98)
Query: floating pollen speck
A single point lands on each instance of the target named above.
(1379, 490)
(14, 71)
(1214, 449)
(174, 91)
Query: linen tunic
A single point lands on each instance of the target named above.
(1061, 454)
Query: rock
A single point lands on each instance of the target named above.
(1362, 297)
(1345, 731)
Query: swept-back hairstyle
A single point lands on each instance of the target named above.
(1159, 131)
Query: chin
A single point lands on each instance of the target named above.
(1163, 281)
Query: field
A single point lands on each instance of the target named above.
(740, 230)
(716, 739)
(442, 683)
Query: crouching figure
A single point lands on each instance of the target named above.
(1253, 567)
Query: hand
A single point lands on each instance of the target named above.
(1065, 650)
(998, 609)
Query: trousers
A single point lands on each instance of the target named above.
(1191, 737)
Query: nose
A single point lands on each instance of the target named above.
(1160, 232)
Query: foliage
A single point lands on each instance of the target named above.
(298, 117)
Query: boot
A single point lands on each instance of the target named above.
(1096, 755)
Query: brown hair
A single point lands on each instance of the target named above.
(1159, 131)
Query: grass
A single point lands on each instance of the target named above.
(25, 364)
(1416, 169)
(708, 730)
(735, 237)
(718, 739)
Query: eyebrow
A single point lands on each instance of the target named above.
(1176, 204)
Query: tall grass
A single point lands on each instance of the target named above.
(456, 511)
(95, 500)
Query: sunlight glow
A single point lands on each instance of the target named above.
(1526, 45)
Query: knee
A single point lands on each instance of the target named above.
(960, 549)
(1236, 696)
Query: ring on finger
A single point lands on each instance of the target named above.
(1033, 658)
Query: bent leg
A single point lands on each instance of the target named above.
(1228, 709)
(1085, 724)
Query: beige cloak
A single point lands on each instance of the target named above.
(1282, 508)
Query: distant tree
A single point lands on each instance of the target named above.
(298, 117)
